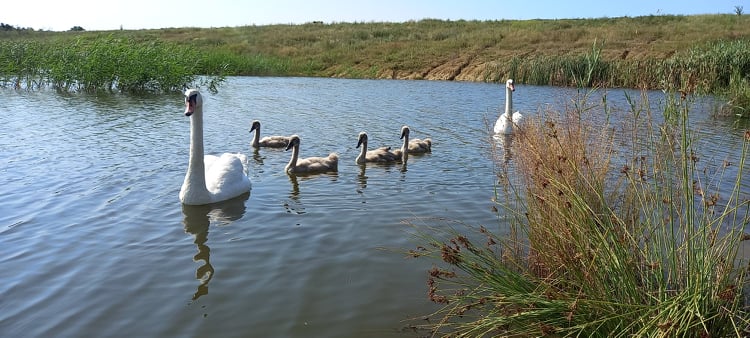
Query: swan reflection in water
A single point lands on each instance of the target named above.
(504, 142)
(388, 167)
(362, 178)
(294, 205)
(196, 221)
(257, 157)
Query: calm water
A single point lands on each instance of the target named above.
(94, 241)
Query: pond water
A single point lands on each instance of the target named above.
(95, 243)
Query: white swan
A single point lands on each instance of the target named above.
(268, 141)
(507, 121)
(209, 178)
(381, 155)
(310, 164)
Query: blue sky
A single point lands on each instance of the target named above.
(61, 15)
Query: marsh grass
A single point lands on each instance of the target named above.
(106, 63)
(738, 94)
(708, 68)
(633, 52)
(618, 242)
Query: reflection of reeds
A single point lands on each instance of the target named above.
(632, 240)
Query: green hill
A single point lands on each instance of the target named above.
(701, 51)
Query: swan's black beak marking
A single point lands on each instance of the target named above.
(190, 104)
(291, 144)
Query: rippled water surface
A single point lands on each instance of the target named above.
(95, 243)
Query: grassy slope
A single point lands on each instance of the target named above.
(441, 50)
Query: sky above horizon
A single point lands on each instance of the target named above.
(59, 15)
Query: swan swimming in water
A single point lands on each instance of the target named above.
(507, 121)
(310, 164)
(268, 141)
(381, 155)
(209, 179)
(415, 146)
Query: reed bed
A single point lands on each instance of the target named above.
(636, 240)
(709, 67)
(105, 63)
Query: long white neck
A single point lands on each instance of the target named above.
(508, 103)
(256, 138)
(405, 148)
(362, 153)
(194, 189)
(293, 162)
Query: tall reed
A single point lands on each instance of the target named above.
(105, 63)
(633, 240)
(738, 94)
(709, 67)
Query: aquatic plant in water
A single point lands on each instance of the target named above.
(105, 63)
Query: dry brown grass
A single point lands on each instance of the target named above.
(564, 164)
(624, 242)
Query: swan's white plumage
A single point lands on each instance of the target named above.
(223, 174)
(505, 125)
(309, 165)
(209, 178)
(381, 155)
(507, 121)
(268, 141)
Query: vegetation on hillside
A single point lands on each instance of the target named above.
(652, 52)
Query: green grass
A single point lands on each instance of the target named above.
(739, 96)
(637, 52)
(602, 242)
(105, 63)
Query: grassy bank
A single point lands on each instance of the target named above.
(654, 52)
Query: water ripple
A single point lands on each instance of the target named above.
(96, 242)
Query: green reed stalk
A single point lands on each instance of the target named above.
(707, 68)
(105, 63)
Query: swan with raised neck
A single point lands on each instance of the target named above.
(209, 178)
(507, 121)
(298, 165)
(273, 141)
(379, 155)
